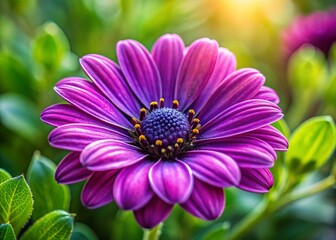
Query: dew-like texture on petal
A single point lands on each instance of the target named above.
(109, 79)
(239, 86)
(271, 135)
(77, 136)
(153, 213)
(225, 65)
(247, 152)
(172, 181)
(70, 170)
(268, 94)
(167, 53)
(206, 202)
(110, 154)
(85, 96)
(98, 190)
(256, 180)
(139, 70)
(195, 70)
(131, 189)
(240, 118)
(212, 167)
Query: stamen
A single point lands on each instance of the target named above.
(191, 114)
(161, 102)
(158, 144)
(194, 132)
(179, 141)
(134, 121)
(143, 140)
(175, 104)
(153, 106)
(142, 114)
(138, 129)
(195, 123)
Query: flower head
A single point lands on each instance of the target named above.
(174, 126)
(317, 29)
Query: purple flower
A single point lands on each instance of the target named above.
(317, 29)
(174, 126)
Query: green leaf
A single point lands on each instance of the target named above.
(48, 194)
(4, 175)
(17, 75)
(282, 126)
(53, 226)
(7, 232)
(311, 144)
(19, 114)
(83, 232)
(50, 46)
(16, 202)
(217, 232)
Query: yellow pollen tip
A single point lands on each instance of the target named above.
(143, 110)
(196, 120)
(137, 126)
(192, 111)
(195, 131)
(163, 151)
(158, 143)
(176, 102)
(179, 140)
(142, 138)
(161, 99)
(154, 103)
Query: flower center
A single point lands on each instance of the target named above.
(165, 132)
(165, 124)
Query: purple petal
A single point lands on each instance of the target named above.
(212, 167)
(139, 70)
(98, 190)
(85, 96)
(247, 152)
(268, 94)
(256, 180)
(131, 188)
(153, 213)
(271, 135)
(239, 86)
(61, 114)
(195, 70)
(110, 154)
(225, 65)
(77, 136)
(167, 53)
(206, 202)
(70, 170)
(240, 118)
(171, 181)
(108, 77)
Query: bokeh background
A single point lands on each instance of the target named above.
(42, 40)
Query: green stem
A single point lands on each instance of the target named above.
(267, 207)
(311, 190)
(249, 221)
(153, 234)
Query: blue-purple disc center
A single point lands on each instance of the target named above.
(165, 124)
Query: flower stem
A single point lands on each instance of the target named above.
(249, 221)
(153, 234)
(267, 207)
(311, 190)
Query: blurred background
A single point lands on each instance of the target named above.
(42, 40)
